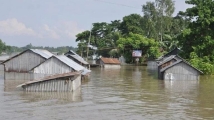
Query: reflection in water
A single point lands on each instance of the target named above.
(60, 96)
(181, 86)
(125, 93)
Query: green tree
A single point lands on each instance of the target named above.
(3, 47)
(198, 38)
(131, 24)
(159, 23)
(132, 41)
(103, 36)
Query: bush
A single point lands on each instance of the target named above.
(202, 64)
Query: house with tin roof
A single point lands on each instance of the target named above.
(75, 57)
(108, 62)
(58, 65)
(23, 63)
(174, 67)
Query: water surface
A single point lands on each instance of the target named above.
(129, 93)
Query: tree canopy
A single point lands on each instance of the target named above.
(197, 39)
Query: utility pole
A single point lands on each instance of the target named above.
(89, 39)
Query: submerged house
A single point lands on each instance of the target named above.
(75, 57)
(108, 62)
(67, 82)
(57, 65)
(58, 73)
(176, 68)
(18, 66)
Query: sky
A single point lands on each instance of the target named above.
(56, 22)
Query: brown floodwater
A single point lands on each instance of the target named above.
(129, 93)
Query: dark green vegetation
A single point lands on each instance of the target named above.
(157, 32)
(11, 49)
(197, 40)
(4, 47)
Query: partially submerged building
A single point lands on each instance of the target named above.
(109, 62)
(58, 65)
(172, 67)
(18, 66)
(176, 68)
(75, 57)
(66, 82)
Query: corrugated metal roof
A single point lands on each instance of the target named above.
(50, 78)
(166, 60)
(175, 50)
(70, 63)
(44, 53)
(76, 56)
(178, 61)
(110, 60)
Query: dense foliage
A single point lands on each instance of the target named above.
(132, 41)
(197, 40)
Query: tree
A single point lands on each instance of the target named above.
(159, 23)
(103, 36)
(150, 20)
(158, 18)
(132, 41)
(198, 38)
(3, 47)
(131, 24)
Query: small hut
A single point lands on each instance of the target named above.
(108, 62)
(176, 68)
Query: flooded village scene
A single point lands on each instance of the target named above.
(107, 60)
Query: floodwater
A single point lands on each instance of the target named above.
(129, 93)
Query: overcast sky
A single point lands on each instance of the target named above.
(56, 22)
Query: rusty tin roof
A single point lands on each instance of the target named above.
(110, 60)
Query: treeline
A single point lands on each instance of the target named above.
(11, 49)
(154, 33)
(157, 32)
